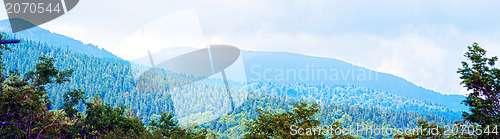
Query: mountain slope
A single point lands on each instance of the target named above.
(114, 81)
(270, 66)
(232, 125)
(44, 36)
(292, 68)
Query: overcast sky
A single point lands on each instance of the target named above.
(422, 41)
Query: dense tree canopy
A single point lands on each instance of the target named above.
(25, 109)
(69, 95)
(287, 125)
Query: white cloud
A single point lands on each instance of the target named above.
(177, 29)
(416, 59)
(426, 56)
(108, 23)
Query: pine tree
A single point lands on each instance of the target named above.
(483, 79)
(168, 127)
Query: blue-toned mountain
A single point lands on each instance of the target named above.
(41, 35)
(293, 68)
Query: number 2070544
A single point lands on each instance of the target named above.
(33, 8)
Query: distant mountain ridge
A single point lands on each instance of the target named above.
(276, 67)
(115, 82)
(44, 36)
(346, 74)
(291, 68)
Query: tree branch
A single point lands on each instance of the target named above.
(59, 114)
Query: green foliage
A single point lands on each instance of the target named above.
(71, 99)
(113, 80)
(168, 127)
(46, 74)
(119, 133)
(336, 125)
(233, 124)
(101, 118)
(212, 135)
(482, 78)
(25, 105)
(280, 125)
(24, 102)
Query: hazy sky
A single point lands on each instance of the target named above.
(422, 41)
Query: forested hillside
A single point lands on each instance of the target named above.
(233, 124)
(355, 96)
(114, 81)
(293, 68)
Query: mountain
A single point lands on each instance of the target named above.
(206, 102)
(44, 36)
(338, 72)
(293, 68)
(114, 80)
